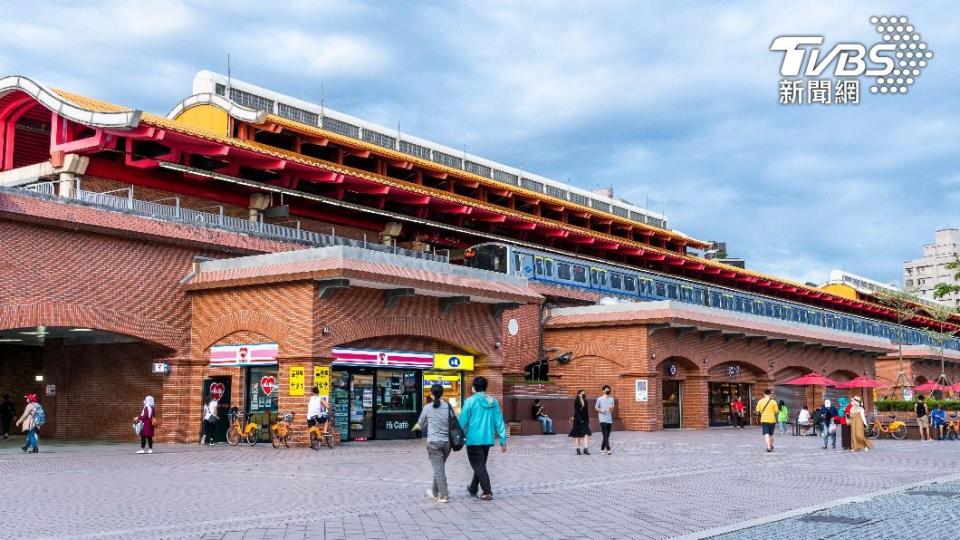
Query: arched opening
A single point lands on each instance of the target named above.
(794, 397)
(676, 370)
(90, 381)
(380, 384)
(729, 381)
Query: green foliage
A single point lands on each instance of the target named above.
(898, 405)
(943, 289)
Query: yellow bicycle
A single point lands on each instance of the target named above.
(321, 435)
(237, 432)
(281, 431)
(896, 428)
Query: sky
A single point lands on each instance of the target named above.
(674, 105)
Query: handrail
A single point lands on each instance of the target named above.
(222, 221)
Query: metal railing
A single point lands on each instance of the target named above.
(175, 212)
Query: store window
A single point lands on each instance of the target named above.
(452, 387)
(398, 401)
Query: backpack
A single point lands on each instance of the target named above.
(454, 431)
(39, 416)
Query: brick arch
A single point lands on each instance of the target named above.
(746, 369)
(126, 323)
(478, 342)
(590, 349)
(239, 321)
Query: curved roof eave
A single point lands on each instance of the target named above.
(125, 119)
(233, 109)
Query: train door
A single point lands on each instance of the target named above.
(598, 278)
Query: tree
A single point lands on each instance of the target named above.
(943, 289)
(940, 333)
(905, 306)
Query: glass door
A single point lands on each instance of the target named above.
(722, 396)
(340, 402)
(361, 407)
(452, 387)
(397, 403)
(262, 398)
(671, 404)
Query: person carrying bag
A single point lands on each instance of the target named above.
(443, 436)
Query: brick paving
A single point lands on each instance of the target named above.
(657, 485)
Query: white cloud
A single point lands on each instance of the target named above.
(295, 52)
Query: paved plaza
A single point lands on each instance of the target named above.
(656, 485)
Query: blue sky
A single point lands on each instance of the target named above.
(672, 105)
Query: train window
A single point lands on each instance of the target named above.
(517, 266)
(548, 267)
(629, 283)
(594, 280)
(686, 294)
(616, 280)
(563, 270)
(579, 274)
(726, 301)
(661, 289)
(795, 315)
(748, 306)
(672, 291)
(698, 296)
(646, 287)
(538, 265)
(603, 278)
(738, 304)
(715, 299)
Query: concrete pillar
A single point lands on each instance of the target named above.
(65, 186)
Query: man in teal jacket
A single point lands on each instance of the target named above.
(481, 421)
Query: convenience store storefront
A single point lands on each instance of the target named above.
(254, 388)
(379, 394)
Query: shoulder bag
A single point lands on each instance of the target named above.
(454, 431)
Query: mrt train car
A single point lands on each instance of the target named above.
(610, 279)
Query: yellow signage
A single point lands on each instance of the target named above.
(321, 379)
(297, 376)
(459, 362)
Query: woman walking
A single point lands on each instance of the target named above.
(28, 423)
(210, 419)
(783, 416)
(581, 423)
(435, 418)
(858, 427)
(147, 419)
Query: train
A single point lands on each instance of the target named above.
(621, 281)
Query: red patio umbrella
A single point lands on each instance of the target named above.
(863, 382)
(812, 379)
(931, 386)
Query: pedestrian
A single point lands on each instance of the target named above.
(923, 419)
(29, 423)
(482, 422)
(767, 409)
(581, 423)
(783, 416)
(738, 409)
(546, 423)
(604, 408)
(829, 416)
(435, 418)
(938, 420)
(148, 422)
(210, 419)
(858, 427)
(7, 411)
(803, 420)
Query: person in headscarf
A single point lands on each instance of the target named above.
(858, 427)
(148, 419)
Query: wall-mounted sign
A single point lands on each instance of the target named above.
(161, 367)
(216, 390)
(641, 389)
(321, 379)
(733, 370)
(297, 380)
(364, 357)
(672, 369)
(459, 362)
(51, 390)
(513, 327)
(255, 354)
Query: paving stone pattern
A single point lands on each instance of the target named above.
(656, 485)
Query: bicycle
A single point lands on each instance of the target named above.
(952, 431)
(319, 436)
(237, 432)
(281, 431)
(896, 428)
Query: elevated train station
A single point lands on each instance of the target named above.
(250, 245)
